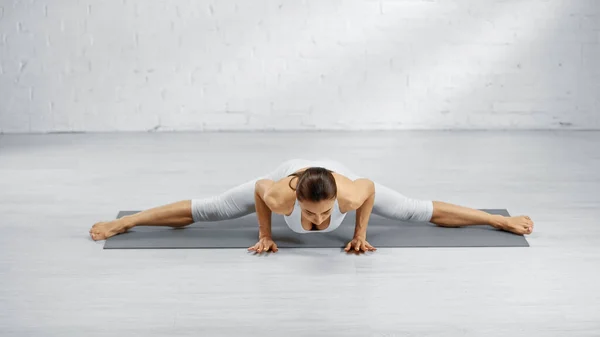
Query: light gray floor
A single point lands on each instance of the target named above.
(55, 281)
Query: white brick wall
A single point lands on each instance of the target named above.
(316, 64)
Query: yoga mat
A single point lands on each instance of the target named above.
(381, 232)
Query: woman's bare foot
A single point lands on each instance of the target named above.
(517, 224)
(106, 229)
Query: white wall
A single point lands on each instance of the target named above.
(321, 64)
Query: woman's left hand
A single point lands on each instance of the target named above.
(360, 245)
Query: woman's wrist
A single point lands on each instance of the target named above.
(264, 235)
(360, 235)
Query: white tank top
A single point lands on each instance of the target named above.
(294, 221)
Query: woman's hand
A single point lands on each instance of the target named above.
(359, 244)
(264, 245)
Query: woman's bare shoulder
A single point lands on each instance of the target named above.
(283, 195)
(345, 192)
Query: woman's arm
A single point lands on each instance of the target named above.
(263, 212)
(364, 197)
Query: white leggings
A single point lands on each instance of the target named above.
(239, 201)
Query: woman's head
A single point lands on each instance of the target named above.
(316, 192)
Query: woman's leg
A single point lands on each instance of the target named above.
(177, 214)
(234, 203)
(449, 215)
(393, 205)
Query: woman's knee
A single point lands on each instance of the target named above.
(417, 210)
(216, 208)
(233, 203)
(392, 204)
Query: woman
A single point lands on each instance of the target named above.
(313, 196)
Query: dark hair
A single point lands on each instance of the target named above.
(315, 184)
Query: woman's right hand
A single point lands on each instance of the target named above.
(264, 245)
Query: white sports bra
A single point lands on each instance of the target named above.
(294, 220)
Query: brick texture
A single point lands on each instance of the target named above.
(134, 65)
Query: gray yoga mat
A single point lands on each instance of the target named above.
(381, 232)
